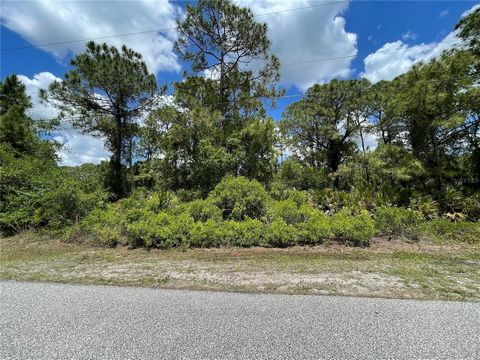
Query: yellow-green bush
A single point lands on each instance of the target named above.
(280, 234)
(445, 230)
(315, 230)
(102, 227)
(161, 230)
(239, 198)
(356, 230)
(290, 212)
(396, 221)
(203, 210)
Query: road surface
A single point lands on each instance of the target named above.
(49, 321)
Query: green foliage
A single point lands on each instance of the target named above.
(426, 206)
(290, 212)
(213, 234)
(294, 174)
(13, 95)
(356, 230)
(280, 234)
(161, 230)
(123, 77)
(445, 230)
(315, 230)
(228, 233)
(396, 221)
(35, 192)
(322, 126)
(203, 210)
(256, 153)
(239, 198)
(469, 30)
(250, 232)
(102, 227)
(225, 37)
(16, 130)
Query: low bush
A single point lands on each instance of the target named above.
(290, 212)
(239, 198)
(426, 206)
(210, 234)
(203, 210)
(102, 227)
(445, 230)
(315, 231)
(252, 233)
(396, 221)
(355, 230)
(161, 230)
(280, 234)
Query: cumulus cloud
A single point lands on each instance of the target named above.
(46, 21)
(300, 36)
(80, 148)
(396, 58)
(32, 88)
(468, 12)
(77, 148)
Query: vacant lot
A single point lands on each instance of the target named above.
(394, 269)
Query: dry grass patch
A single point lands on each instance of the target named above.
(395, 268)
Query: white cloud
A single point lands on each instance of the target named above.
(396, 58)
(45, 21)
(78, 148)
(468, 12)
(409, 35)
(305, 35)
(370, 141)
(32, 87)
(212, 73)
(443, 13)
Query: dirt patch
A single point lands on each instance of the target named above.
(389, 268)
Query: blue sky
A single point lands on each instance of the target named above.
(386, 36)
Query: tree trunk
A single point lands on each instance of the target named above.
(116, 176)
(436, 158)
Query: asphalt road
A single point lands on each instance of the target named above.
(48, 321)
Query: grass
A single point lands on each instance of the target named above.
(392, 269)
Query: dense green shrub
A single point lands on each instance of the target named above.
(396, 221)
(472, 207)
(227, 233)
(251, 232)
(210, 234)
(295, 175)
(151, 201)
(446, 230)
(161, 230)
(426, 206)
(203, 210)
(239, 198)
(289, 211)
(315, 230)
(279, 234)
(37, 193)
(102, 227)
(356, 230)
